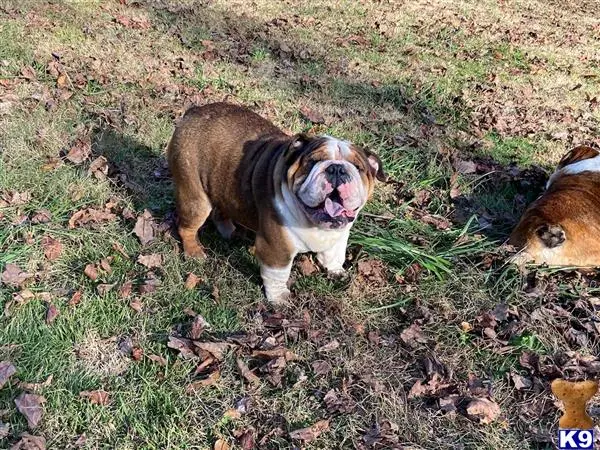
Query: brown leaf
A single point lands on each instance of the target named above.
(521, 383)
(220, 444)
(30, 405)
(306, 266)
(62, 80)
(125, 289)
(279, 352)
(321, 367)
(477, 387)
(338, 402)
(158, 360)
(246, 439)
(311, 433)
(14, 276)
(91, 271)
(208, 381)
(136, 305)
(413, 336)
(29, 442)
(36, 386)
(52, 313)
(311, 115)
(75, 298)
(14, 198)
(199, 324)
(372, 271)
(150, 285)
(246, 372)
(105, 264)
(217, 349)
(104, 288)
(28, 73)
(138, 23)
(333, 345)
(119, 248)
(96, 397)
(144, 228)
(81, 441)
(484, 410)
(52, 248)
(465, 167)
(7, 370)
(41, 216)
(80, 150)
(99, 168)
(150, 261)
(192, 281)
(185, 346)
(90, 216)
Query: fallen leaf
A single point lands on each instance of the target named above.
(246, 372)
(311, 115)
(4, 430)
(413, 336)
(192, 281)
(62, 80)
(246, 439)
(96, 397)
(215, 293)
(118, 247)
(125, 289)
(91, 272)
(138, 23)
(81, 441)
(75, 298)
(14, 276)
(280, 352)
(150, 284)
(306, 266)
(80, 150)
(52, 248)
(52, 313)
(521, 383)
(217, 349)
(484, 410)
(150, 261)
(333, 345)
(28, 73)
(41, 216)
(477, 387)
(29, 442)
(144, 228)
(36, 386)
(99, 168)
(373, 271)
(382, 435)
(199, 324)
(7, 370)
(208, 381)
(337, 402)
(136, 305)
(14, 198)
(158, 360)
(311, 433)
(90, 216)
(220, 444)
(185, 346)
(30, 405)
(105, 264)
(465, 167)
(137, 353)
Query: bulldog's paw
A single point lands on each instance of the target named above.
(280, 298)
(194, 251)
(337, 274)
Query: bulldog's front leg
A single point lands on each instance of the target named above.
(333, 258)
(275, 268)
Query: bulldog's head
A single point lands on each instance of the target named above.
(331, 179)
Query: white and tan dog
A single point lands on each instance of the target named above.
(561, 228)
(298, 193)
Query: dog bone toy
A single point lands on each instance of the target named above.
(574, 396)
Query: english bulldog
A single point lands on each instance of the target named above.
(562, 226)
(298, 193)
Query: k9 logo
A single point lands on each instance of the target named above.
(575, 439)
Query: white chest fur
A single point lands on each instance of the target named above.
(317, 240)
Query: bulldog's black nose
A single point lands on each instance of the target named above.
(336, 174)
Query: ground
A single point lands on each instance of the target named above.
(432, 342)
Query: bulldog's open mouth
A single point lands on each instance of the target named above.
(331, 211)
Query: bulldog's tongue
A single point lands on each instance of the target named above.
(333, 208)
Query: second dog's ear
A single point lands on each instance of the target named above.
(551, 235)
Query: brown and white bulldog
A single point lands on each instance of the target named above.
(562, 226)
(298, 193)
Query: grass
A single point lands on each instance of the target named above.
(419, 84)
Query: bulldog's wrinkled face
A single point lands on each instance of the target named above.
(331, 179)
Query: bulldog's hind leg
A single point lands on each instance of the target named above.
(193, 208)
(225, 226)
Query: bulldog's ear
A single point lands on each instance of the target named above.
(296, 144)
(376, 165)
(579, 153)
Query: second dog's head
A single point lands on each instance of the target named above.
(330, 178)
